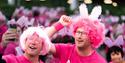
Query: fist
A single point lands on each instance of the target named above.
(65, 20)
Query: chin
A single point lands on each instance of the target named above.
(32, 53)
(79, 45)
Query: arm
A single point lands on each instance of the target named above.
(63, 21)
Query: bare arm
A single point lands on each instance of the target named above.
(50, 31)
(64, 21)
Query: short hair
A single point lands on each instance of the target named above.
(114, 49)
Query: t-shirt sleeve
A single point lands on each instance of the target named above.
(9, 58)
(10, 49)
(62, 50)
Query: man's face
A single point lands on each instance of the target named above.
(116, 57)
(81, 38)
(33, 45)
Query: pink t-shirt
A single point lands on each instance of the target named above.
(16, 59)
(10, 48)
(67, 54)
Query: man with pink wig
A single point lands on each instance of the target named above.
(34, 42)
(89, 35)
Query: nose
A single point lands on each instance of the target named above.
(33, 42)
(79, 36)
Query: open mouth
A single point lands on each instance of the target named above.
(32, 47)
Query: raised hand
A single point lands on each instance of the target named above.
(9, 35)
(65, 20)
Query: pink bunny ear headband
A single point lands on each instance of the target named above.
(24, 22)
(91, 24)
(12, 21)
(119, 41)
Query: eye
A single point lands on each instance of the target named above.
(113, 54)
(118, 53)
(81, 33)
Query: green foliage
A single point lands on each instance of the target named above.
(9, 9)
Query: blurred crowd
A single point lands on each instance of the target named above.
(22, 18)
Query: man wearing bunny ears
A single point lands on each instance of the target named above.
(89, 35)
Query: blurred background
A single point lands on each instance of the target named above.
(115, 7)
(20, 14)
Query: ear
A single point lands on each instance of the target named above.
(96, 12)
(119, 41)
(83, 10)
(108, 42)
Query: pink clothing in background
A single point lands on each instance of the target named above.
(67, 53)
(10, 48)
(3, 29)
(16, 59)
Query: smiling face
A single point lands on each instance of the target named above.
(33, 45)
(81, 38)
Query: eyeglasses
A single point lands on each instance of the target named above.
(80, 33)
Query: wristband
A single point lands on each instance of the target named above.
(58, 26)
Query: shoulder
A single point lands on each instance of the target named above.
(99, 57)
(64, 45)
(63, 49)
(9, 58)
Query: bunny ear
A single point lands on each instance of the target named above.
(83, 10)
(22, 21)
(119, 41)
(108, 42)
(12, 21)
(96, 11)
(30, 23)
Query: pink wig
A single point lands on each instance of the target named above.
(92, 26)
(94, 29)
(30, 31)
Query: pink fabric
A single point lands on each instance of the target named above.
(10, 49)
(67, 52)
(94, 29)
(58, 26)
(16, 59)
(3, 29)
(1, 49)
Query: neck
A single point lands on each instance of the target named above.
(84, 51)
(32, 58)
